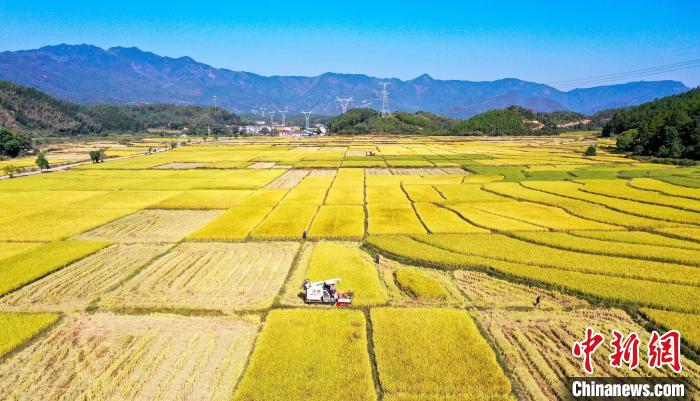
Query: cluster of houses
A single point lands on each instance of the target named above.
(264, 128)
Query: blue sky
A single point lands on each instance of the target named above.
(542, 41)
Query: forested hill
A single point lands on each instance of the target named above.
(30, 111)
(513, 120)
(667, 127)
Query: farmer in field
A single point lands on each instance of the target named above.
(537, 301)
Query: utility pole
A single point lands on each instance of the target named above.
(272, 118)
(307, 114)
(344, 103)
(384, 96)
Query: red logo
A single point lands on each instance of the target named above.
(665, 350)
(587, 347)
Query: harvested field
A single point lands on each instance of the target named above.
(156, 357)
(286, 362)
(489, 292)
(82, 282)
(537, 347)
(212, 276)
(262, 165)
(289, 179)
(458, 363)
(152, 226)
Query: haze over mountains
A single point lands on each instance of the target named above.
(89, 74)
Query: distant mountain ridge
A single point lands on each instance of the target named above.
(89, 74)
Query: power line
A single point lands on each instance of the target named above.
(684, 65)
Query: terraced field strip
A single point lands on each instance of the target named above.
(687, 324)
(651, 184)
(338, 222)
(620, 189)
(37, 262)
(602, 247)
(682, 298)
(580, 208)
(544, 216)
(234, 225)
(400, 293)
(204, 199)
(441, 220)
(295, 356)
(536, 346)
(81, 282)
(490, 221)
(500, 247)
(572, 190)
(458, 363)
(209, 276)
(689, 233)
(18, 328)
(486, 291)
(152, 226)
(466, 193)
(637, 237)
(157, 357)
(393, 218)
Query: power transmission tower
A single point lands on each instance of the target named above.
(263, 111)
(384, 96)
(272, 118)
(307, 114)
(344, 103)
(284, 116)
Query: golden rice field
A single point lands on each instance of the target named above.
(176, 275)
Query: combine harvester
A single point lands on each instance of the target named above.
(326, 292)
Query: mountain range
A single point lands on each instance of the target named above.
(88, 74)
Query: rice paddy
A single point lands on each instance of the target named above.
(475, 263)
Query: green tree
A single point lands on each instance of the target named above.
(11, 170)
(13, 144)
(95, 156)
(173, 145)
(41, 161)
(591, 151)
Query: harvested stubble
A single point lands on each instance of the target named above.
(338, 222)
(537, 348)
(234, 225)
(156, 357)
(81, 282)
(434, 353)
(285, 222)
(17, 328)
(288, 179)
(489, 292)
(152, 226)
(441, 220)
(388, 218)
(204, 199)
(39, 261)
(295, 357)
(216, 276)
(687, 324)
(352, 266)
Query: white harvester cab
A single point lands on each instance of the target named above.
(326, 292)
